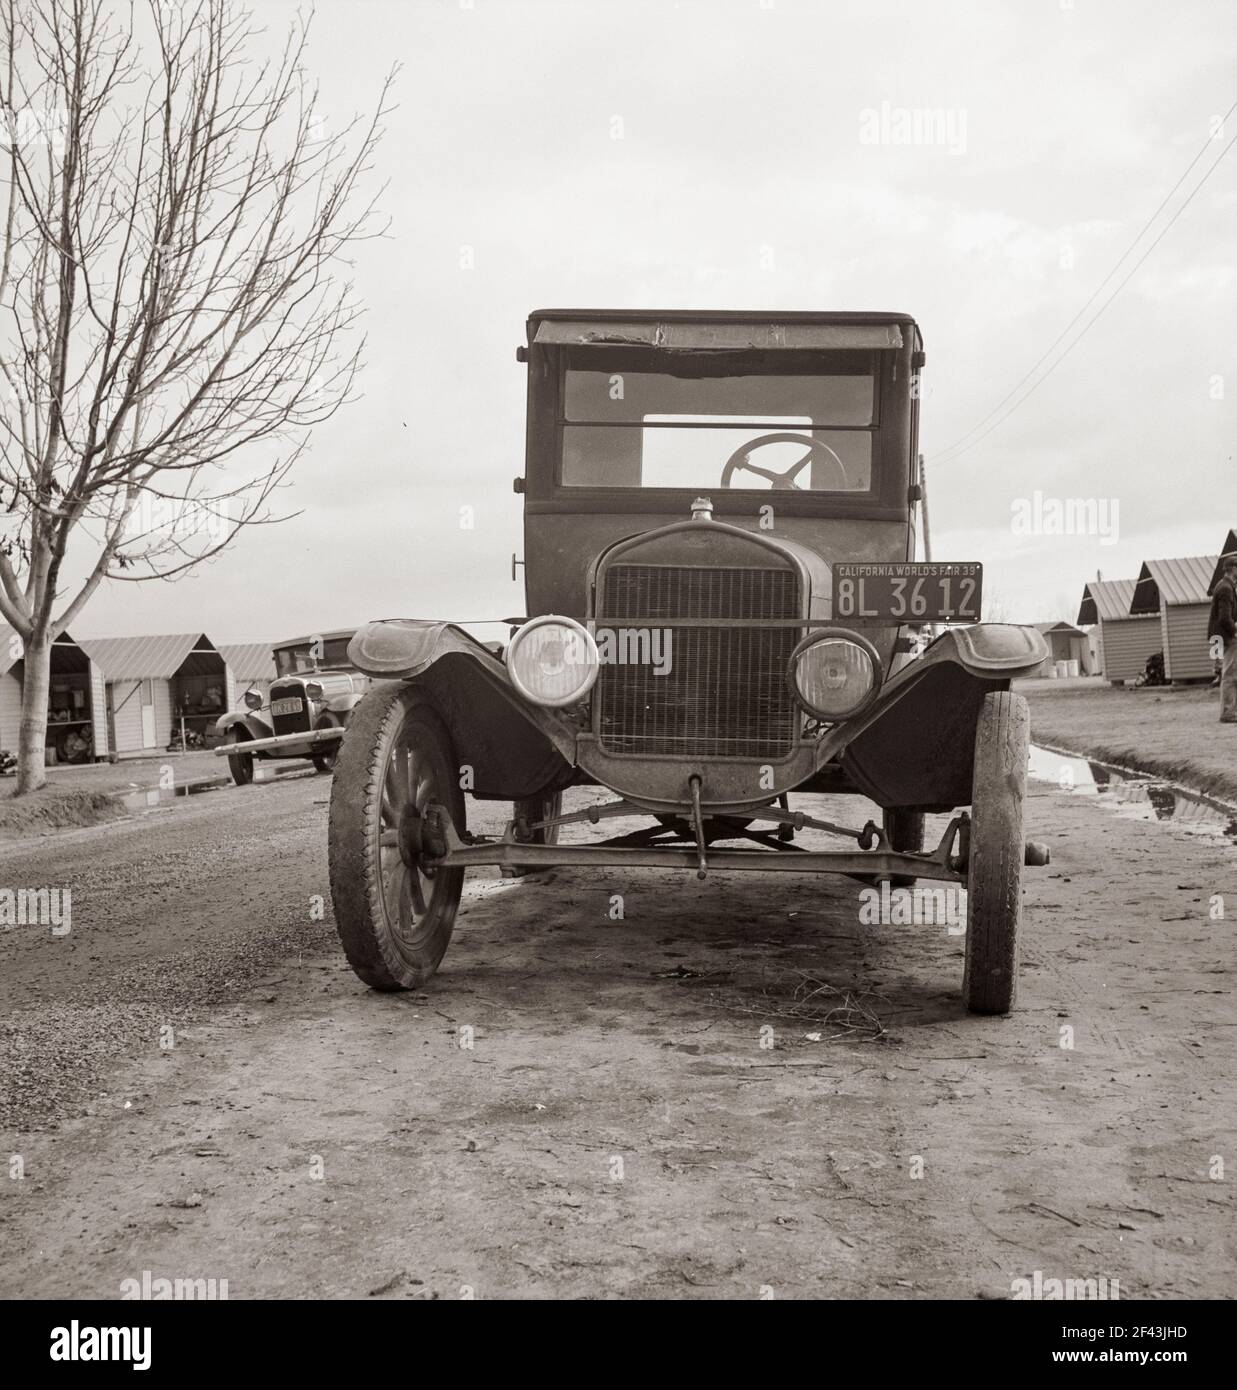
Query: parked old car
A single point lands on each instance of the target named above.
(315, 690)
(723, 611)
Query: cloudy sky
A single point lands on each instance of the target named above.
(747, 154)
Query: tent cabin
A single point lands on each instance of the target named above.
(252, 665)
(1125, 641)
(158, 686)
(1228, 548)
(1175, 592)
(76, 725)
(1065, 643)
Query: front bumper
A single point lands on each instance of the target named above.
(293, 745)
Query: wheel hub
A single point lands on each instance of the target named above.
(420, 839)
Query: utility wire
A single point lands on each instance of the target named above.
(959, 446)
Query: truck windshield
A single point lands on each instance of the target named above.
(311, 656)
(715, 422)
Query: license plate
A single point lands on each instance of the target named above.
(908, 592)
(287, 706)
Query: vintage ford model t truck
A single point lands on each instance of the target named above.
(311, 699)
(723, 611)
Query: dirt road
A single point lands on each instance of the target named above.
(583, 1105)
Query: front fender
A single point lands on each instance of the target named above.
(244, 719)
(915, 745)
(508, 747)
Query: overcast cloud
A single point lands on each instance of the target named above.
(746, 177)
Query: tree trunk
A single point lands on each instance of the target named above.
(35, 693)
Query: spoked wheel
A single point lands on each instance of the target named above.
(394, 913)
(240, 765)
(997, 850)
(531, 810)
(904, 830)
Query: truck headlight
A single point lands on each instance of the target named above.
(552, 661)
(253, 699)
(313, 689)
(834, 674)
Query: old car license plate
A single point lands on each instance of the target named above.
(286, 706)
(909, 591)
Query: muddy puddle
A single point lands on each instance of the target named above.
(151, 798)
(1136, 795)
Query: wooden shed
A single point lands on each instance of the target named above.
(157, 686)
(76, 723)
(1065, 643)
(1175, 592)
(1126, 641)
(252, 665)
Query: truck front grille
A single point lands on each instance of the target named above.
(297, 721)
(725, 694)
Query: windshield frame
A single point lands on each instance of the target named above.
(894, 442)
(616, 360)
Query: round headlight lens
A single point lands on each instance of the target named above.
(313, 689)
(553, 661)
(833, 677)
(253, 699)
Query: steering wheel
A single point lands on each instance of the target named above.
(740, 461)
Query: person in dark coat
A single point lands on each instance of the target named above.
(1223, 628)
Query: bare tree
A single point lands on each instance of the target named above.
(175, 307)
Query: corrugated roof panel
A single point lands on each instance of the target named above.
(11, 651)
(1173, 582)
(143, 658)
(249, 661)
(1105, 599)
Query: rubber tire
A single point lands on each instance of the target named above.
(904, 829)
(536, 808)
(377, 955)
(240, 765)
(997, 850)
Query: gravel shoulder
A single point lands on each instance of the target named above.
(584, 1106)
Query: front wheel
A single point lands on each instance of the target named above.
(904, 830)
(394, 912)
(325, 757)
(240, 765)
(997, 850)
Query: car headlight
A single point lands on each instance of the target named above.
(253, 699)
(834, 674)
(313, 689)
(552, 661)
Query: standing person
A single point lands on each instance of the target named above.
(1223, 625)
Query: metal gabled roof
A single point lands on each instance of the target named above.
(1228, 548)
(1172, 583)
(1105, 600)
(1059, 626)
(152, 658)
(11, 652)
(249, 661)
